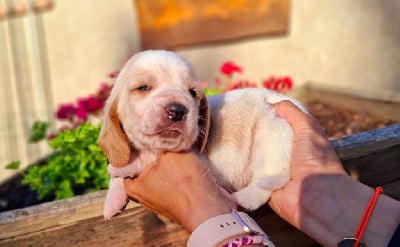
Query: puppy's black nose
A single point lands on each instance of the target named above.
(176, 111)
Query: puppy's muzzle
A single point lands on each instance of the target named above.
(176, 112)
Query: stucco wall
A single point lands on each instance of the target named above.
(350, 46)
(86, 41)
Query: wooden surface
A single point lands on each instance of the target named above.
(373, 158)
(78, 221)
(172, 23)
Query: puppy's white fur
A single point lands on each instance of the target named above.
(248, 146)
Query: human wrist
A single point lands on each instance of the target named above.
(326, 206)
(333, 208)
(200, 213)
(231, 229)
(202, 204)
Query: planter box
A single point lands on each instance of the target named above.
(372, 157)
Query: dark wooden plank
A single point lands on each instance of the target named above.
(279, 231)
(379, 168)
(367, 142)
(373, 157)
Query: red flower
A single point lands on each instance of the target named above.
(229, 67)
(278, 84)
(240, 84)
(65, 111)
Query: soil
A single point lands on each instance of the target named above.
(337, 122)
(340, 121)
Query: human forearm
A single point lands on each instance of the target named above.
(334, 206)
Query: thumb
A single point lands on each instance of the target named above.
(298, 119)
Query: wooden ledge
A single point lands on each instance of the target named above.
(367, 142)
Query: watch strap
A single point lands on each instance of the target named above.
(221, 227)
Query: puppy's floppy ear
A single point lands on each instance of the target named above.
(112, 139)
(204, 122)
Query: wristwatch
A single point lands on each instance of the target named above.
(219, 228)
(349, 242)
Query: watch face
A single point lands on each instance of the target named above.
(349, 242)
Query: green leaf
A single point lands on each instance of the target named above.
(38, 131)
(13, 165)
(212, 91)
(64, 190)
(75, 164)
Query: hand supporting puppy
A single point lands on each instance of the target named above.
(179, 187)
(320, 198)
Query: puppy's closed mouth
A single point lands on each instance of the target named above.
(169, 133)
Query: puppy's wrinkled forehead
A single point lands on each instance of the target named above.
(165, 67)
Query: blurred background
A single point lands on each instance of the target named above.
(52, 52)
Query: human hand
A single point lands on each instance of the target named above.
(312, 155)
(179, 187)
(320, 198)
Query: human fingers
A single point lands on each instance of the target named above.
(181, 188)
(162, 187)
(299, 120)
(161, 180)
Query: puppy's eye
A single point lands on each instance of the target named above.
(193, 92)
(143, 88)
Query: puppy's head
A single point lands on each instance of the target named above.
(155, 105)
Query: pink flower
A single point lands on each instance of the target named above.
(51, 136)
(65, 111)
(90, 104)
(81, 113)
(229, 67)
(113, 74)
(104, 91)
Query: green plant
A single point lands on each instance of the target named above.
(38, 131)
(13, 165)
(76, 164)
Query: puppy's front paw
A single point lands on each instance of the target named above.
(128, 171)
(116, 198)
(251, 197)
